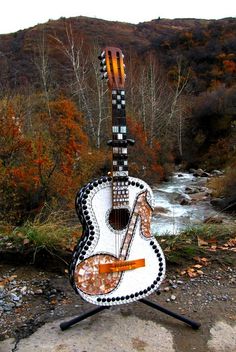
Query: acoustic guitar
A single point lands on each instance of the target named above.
(117, 259)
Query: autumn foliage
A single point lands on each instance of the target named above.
(47, 163)
(144, 158)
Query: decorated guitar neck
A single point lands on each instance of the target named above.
(117, 260)
(112, 68)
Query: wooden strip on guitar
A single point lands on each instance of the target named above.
(121, 265)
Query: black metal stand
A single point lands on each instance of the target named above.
(66, 324)
(195, 325)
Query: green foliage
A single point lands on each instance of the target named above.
(56, 232)
(184, 247)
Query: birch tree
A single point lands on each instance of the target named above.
(74, 51)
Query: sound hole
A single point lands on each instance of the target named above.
(119, 218)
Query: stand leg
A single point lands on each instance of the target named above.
(66, 324)
(195, 325)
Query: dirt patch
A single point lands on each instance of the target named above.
(31, 297)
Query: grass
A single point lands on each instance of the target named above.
(58, 231)
(201, 240)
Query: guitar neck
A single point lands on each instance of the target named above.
(119, 150)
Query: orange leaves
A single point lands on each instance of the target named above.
(230, 66)
(212, 244)
(43, 163)
(196, 269)
(143, 155)
(201, 242)
(230, 245)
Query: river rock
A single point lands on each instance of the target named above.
(191, 190)
(213, 220)
(200, 196)
(185, 201)
(201, 173)
(160, 210)
(217, 173)
(226, 204)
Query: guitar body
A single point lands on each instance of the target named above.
(117, 259)
(115, 264)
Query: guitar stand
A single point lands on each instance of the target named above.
(195, 325)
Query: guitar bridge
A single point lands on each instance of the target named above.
(121, 265)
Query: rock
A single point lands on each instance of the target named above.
(23, 290)
(205, 174)
(38, 292)
(8, 307)
(160, 210)
(191, 190)
(192, 171)
(201, 173)
(14, 297)
(213, 220)
(173, 297)
(185, 201)
(225, 204)
(197, 197)
(217, 173)
(198, 172)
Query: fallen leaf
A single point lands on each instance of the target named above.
(201, 242)
(167, 249)
(202, 260)
(212, 240)
(20, 235)
(191, 273)
(198, 266)
(200, 272)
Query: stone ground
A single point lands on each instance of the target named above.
(34, 302)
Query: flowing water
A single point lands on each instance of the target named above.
(170, 216)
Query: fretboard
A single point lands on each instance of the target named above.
(119, 151)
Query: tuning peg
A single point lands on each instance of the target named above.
(104, 75)
(103, 69)
(102, 55)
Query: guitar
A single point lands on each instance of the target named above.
(117, 259)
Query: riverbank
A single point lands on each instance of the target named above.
(35, 291)
(185, 201)
(34, 299)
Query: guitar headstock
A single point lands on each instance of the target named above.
(112, 67)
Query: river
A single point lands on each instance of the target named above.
(173, 216)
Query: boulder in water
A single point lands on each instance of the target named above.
(201, 173)
(225, 204)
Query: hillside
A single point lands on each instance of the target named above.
(207, 46)
(55, 111)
